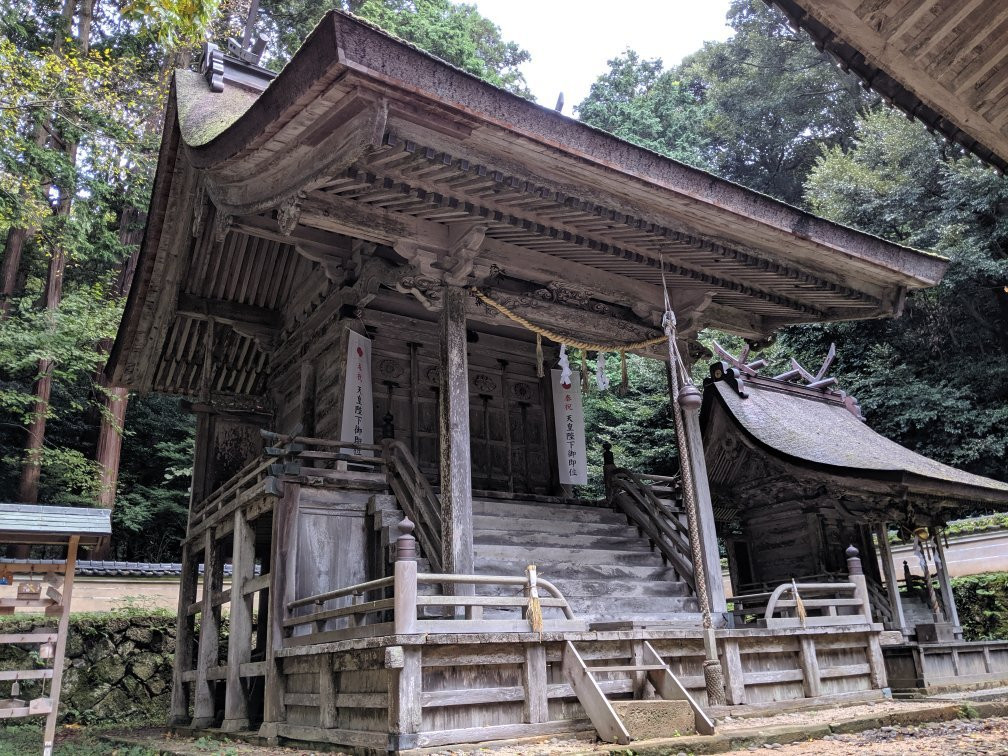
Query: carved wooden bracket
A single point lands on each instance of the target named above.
(222, 224)
(289, 213)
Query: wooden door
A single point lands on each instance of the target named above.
(510, 442)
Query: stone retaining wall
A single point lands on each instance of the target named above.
(118, 665)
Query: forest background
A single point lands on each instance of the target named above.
(82, 88)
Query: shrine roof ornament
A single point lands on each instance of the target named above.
(736, 369)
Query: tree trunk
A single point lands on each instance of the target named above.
(116, 399)
(28, 487)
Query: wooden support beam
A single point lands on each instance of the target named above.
(456, 466)
(405, 713)
(534, 683)
(283, 558)
(62, 630)
(809, 663)
(185, 626)
(227, 312)
(948, 597)
(204, 711)
(236, 711)
(731, 664)
(705, 513)
(889, 570)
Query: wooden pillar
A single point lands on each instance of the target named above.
(405, 713)
(534, 682)
(61, 638)
(948, 598)
(185, 626)
(328, 711)
(240, 632)
(889, 570)
(809, 662)
(283, 561)
(705, 513)
(209, 636)
(734, 677)
(456, 465)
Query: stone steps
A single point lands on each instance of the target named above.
(616, 526)
(548, 512)
(545, 542)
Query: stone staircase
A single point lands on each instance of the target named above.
(604, 568)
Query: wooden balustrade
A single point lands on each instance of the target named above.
(630, 494)
(416, 498)
(400, 611)
(824, 604)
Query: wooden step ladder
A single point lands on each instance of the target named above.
(607, 722)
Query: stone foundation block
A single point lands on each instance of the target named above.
(656, 718)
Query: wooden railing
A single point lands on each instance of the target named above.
(398, 608)
(416, 498)
(824, 604)
(629, 493)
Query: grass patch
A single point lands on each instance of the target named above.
(21, 739)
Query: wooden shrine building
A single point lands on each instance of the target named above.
(344, 271)
(796, 476)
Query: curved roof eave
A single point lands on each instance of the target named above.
(807, 444)
(342, 45)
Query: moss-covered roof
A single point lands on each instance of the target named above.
(204, 114)
(827, 434)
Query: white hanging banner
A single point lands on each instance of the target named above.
(570, 433)
(358, 402)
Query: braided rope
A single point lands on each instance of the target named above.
(559, 338)
(713, 676)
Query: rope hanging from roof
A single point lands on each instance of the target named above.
(561, 339)
(682, 384)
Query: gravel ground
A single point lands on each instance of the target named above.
(826, 716)
(958, 738)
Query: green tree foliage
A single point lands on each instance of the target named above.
(982, 603)
(108, 102)
(637, 101)
(755, 109)
(637, 425)
(936, 378)
(454, 32)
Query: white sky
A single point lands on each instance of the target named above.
(570, 41)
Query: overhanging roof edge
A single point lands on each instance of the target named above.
(342, 43)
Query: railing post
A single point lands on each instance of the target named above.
(856, 575)
(608, 464)
(875, 660)
(405, 581)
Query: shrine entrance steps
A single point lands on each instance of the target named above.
(604, 568)
(672, 713)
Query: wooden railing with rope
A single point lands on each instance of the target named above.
(629, 493)
(807, 604)
(394, 606)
